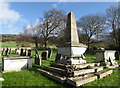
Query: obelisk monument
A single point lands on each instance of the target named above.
(72, 48)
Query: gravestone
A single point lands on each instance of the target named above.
(24, 52)
(71, 48)
(117, 55)
(106, 57)
(36, 51)
(6, 52)
(15, 51)
(21, 52)
(49, 53)
(18, 51)
(3, 50)
(44, 55)
(58, 57)
(29, 52)
(9, 51)
(37, 59)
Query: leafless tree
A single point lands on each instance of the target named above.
(92, 26)
(113, 22)
(34, 31)
(52, 24)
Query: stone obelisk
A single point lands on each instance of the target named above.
(71, 48)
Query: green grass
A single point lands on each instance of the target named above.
(8, 44)
(112, 80)
(32, 78)
(26, 78)
(90, 58)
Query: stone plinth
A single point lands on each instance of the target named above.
(106, 57)
(16, 63)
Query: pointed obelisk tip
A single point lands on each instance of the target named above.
(70, 13)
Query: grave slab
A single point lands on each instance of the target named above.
(52, 76)
(79, 82)
(103, 73)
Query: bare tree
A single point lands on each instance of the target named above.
(92, 26)
(113, 21)
(52, 23)
(34, 31)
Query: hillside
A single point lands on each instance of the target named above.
(8, 37)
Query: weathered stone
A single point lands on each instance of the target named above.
(81, 81)
(71, 48)
(58, 57)
(3, 50)
(106, 57)
(21, 52)
(16, 63)
(49, 53)
(9, 51)
(36, 51)
(117, 55)
(6, 52)
(52, 76)
(86, 64)
(29, 52)
(103, 73)
(85, 71)
(37, 59)
(44, 55)
(24, 52)
(55, 70)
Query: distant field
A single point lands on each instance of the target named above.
(8, 44)
(27, 44)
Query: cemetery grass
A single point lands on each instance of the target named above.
(32, 78)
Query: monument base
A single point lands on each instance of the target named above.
(69, 53)
(72, 51)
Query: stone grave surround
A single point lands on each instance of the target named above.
(77, 73)
(106, 58)
(16, 63)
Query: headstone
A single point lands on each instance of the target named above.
(117, 55)
(15, 51)
(49, 53)
(58, 57)
(3, 50)
(6, 52)
(9, 51)
(37, 59)
(44, 55)
(29, 52)
(21, 53)
(24, 52)
(36, 51)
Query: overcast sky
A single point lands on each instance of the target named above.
(15, 15)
